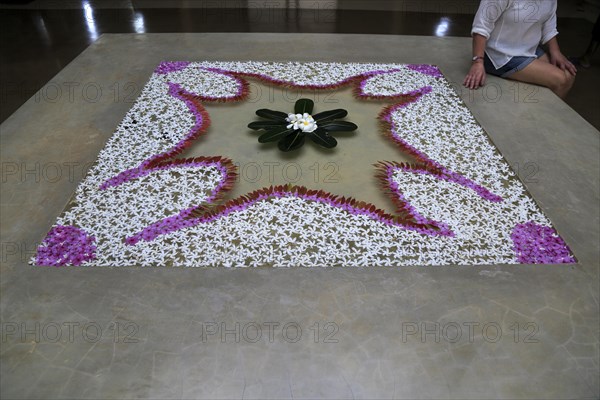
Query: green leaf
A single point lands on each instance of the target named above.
(322, 138)
(256, 125)
(304, 106)
(292, 141)
(330, 115)
(270, 114)
(338, 126)
(275, 134)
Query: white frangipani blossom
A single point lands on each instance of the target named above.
(293, 120)
(304, 122)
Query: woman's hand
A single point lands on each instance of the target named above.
(559, 60)
(476, 76)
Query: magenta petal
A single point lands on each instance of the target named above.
(538, 244)
(66, 245)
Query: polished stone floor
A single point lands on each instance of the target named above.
(487, 332)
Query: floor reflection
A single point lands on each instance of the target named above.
(38, 42)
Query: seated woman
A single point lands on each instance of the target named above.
(507, 35)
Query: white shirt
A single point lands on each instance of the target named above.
(514, 27)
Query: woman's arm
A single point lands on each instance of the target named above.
(483, 25)
(558, 59)
(476, 76)
(549, 33)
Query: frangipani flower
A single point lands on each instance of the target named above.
(293, 120)
(306, 123)
(290, 130)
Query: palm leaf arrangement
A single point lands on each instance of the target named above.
(291, 130)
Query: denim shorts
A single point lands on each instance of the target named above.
(515, 64)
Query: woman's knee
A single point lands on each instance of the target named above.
(569, 81)
(570, 78)
(562, 80)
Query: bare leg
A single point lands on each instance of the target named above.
(541, 72)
